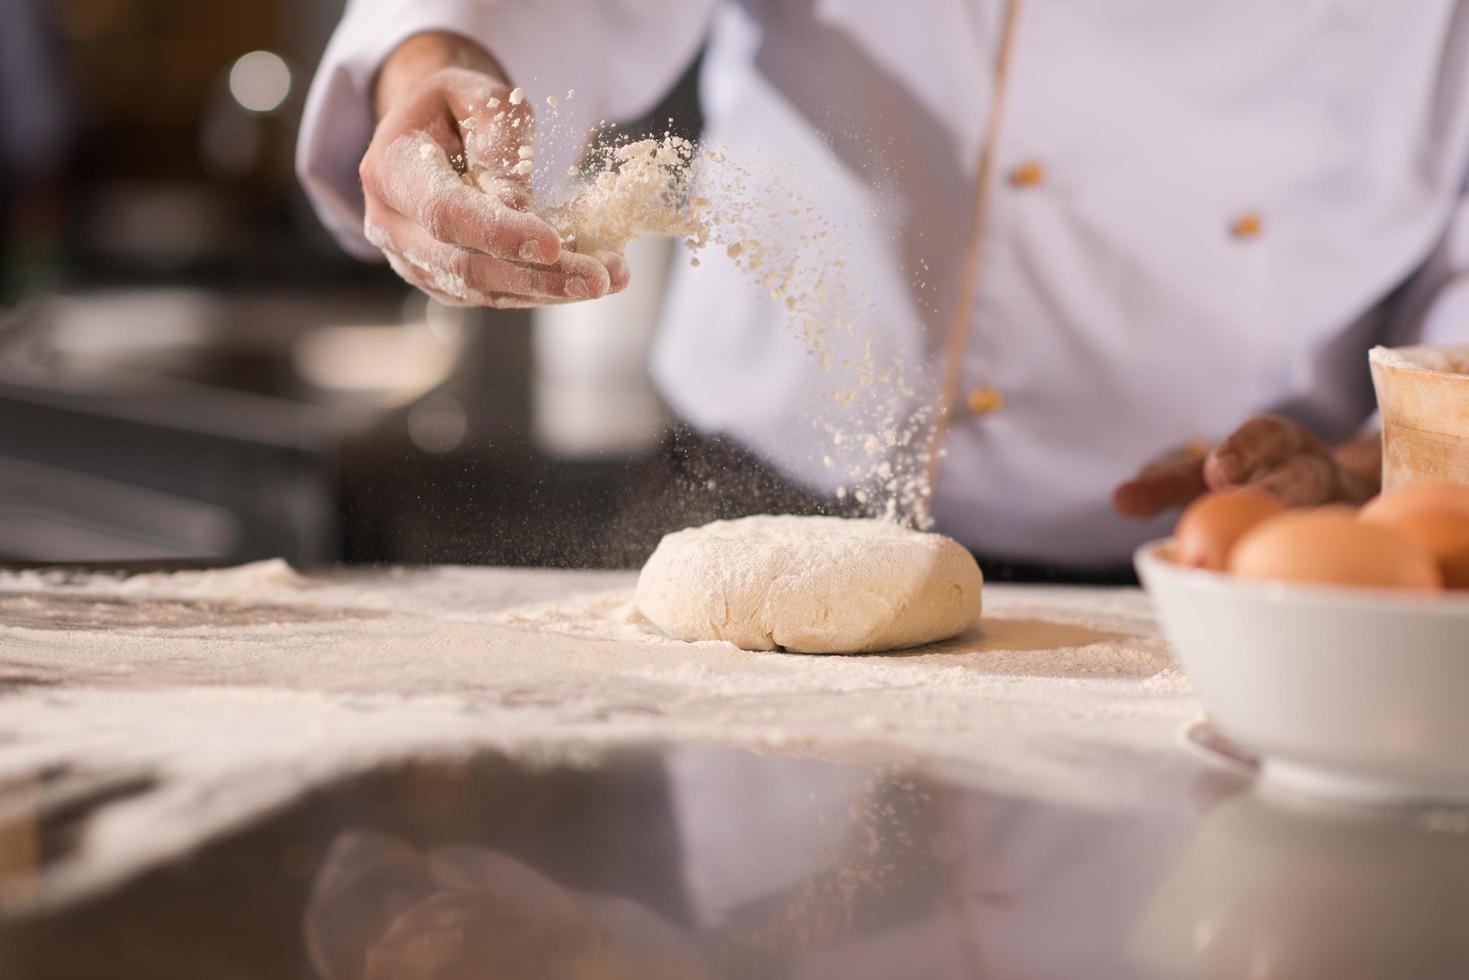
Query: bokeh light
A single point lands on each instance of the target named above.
(260, 81)
(438, 423)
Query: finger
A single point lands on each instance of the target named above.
(389, 233)
(503, 139)
(474, 276)
(597, 276)
(1254, 447)
(469, 92)
(1304, 480)
(500, 152)
(580, 266)
(504, 301)
(499, 146)
(413, 177)
(618, 273)
(514, 193)
(420, 278)
(1168, 483)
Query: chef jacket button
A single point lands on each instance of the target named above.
(985, 401)
(1247, 225)
(1028, 174)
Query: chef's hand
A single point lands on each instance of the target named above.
(446, 119)
(1268, 452)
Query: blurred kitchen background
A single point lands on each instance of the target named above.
(191, 370)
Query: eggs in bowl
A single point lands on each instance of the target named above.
(1333, 643)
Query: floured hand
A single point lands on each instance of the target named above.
(473, 244)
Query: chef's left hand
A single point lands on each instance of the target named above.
(1271, 453)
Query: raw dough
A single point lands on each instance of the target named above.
(810, 585)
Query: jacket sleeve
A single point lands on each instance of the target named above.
(618, 56)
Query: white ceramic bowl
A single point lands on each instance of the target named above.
(1345, 692)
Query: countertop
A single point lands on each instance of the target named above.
(458, 772)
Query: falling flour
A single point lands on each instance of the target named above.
(877, 417)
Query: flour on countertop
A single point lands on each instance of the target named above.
(1061, 694)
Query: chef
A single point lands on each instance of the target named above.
(1109, 232)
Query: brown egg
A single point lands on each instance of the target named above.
(1330, 546)
(1211, 525)
(1445, 534)
(1415, 498)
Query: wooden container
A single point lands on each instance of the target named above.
(1423, 395)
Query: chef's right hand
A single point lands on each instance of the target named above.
(444, 110)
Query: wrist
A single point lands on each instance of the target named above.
(423, 54)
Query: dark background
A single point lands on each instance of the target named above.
(191, 370)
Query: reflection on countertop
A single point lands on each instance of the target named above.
(1275, 886)
(701, 862)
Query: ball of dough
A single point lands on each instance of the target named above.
(810, 585)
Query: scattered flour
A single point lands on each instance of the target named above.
(879, 417)
(632, 189)
(672, 187)
(274, 576)
(1063, 694)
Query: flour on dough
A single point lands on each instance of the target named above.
(810, 585)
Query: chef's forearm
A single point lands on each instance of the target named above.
(424, 54)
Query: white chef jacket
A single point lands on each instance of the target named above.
(1201, 211)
